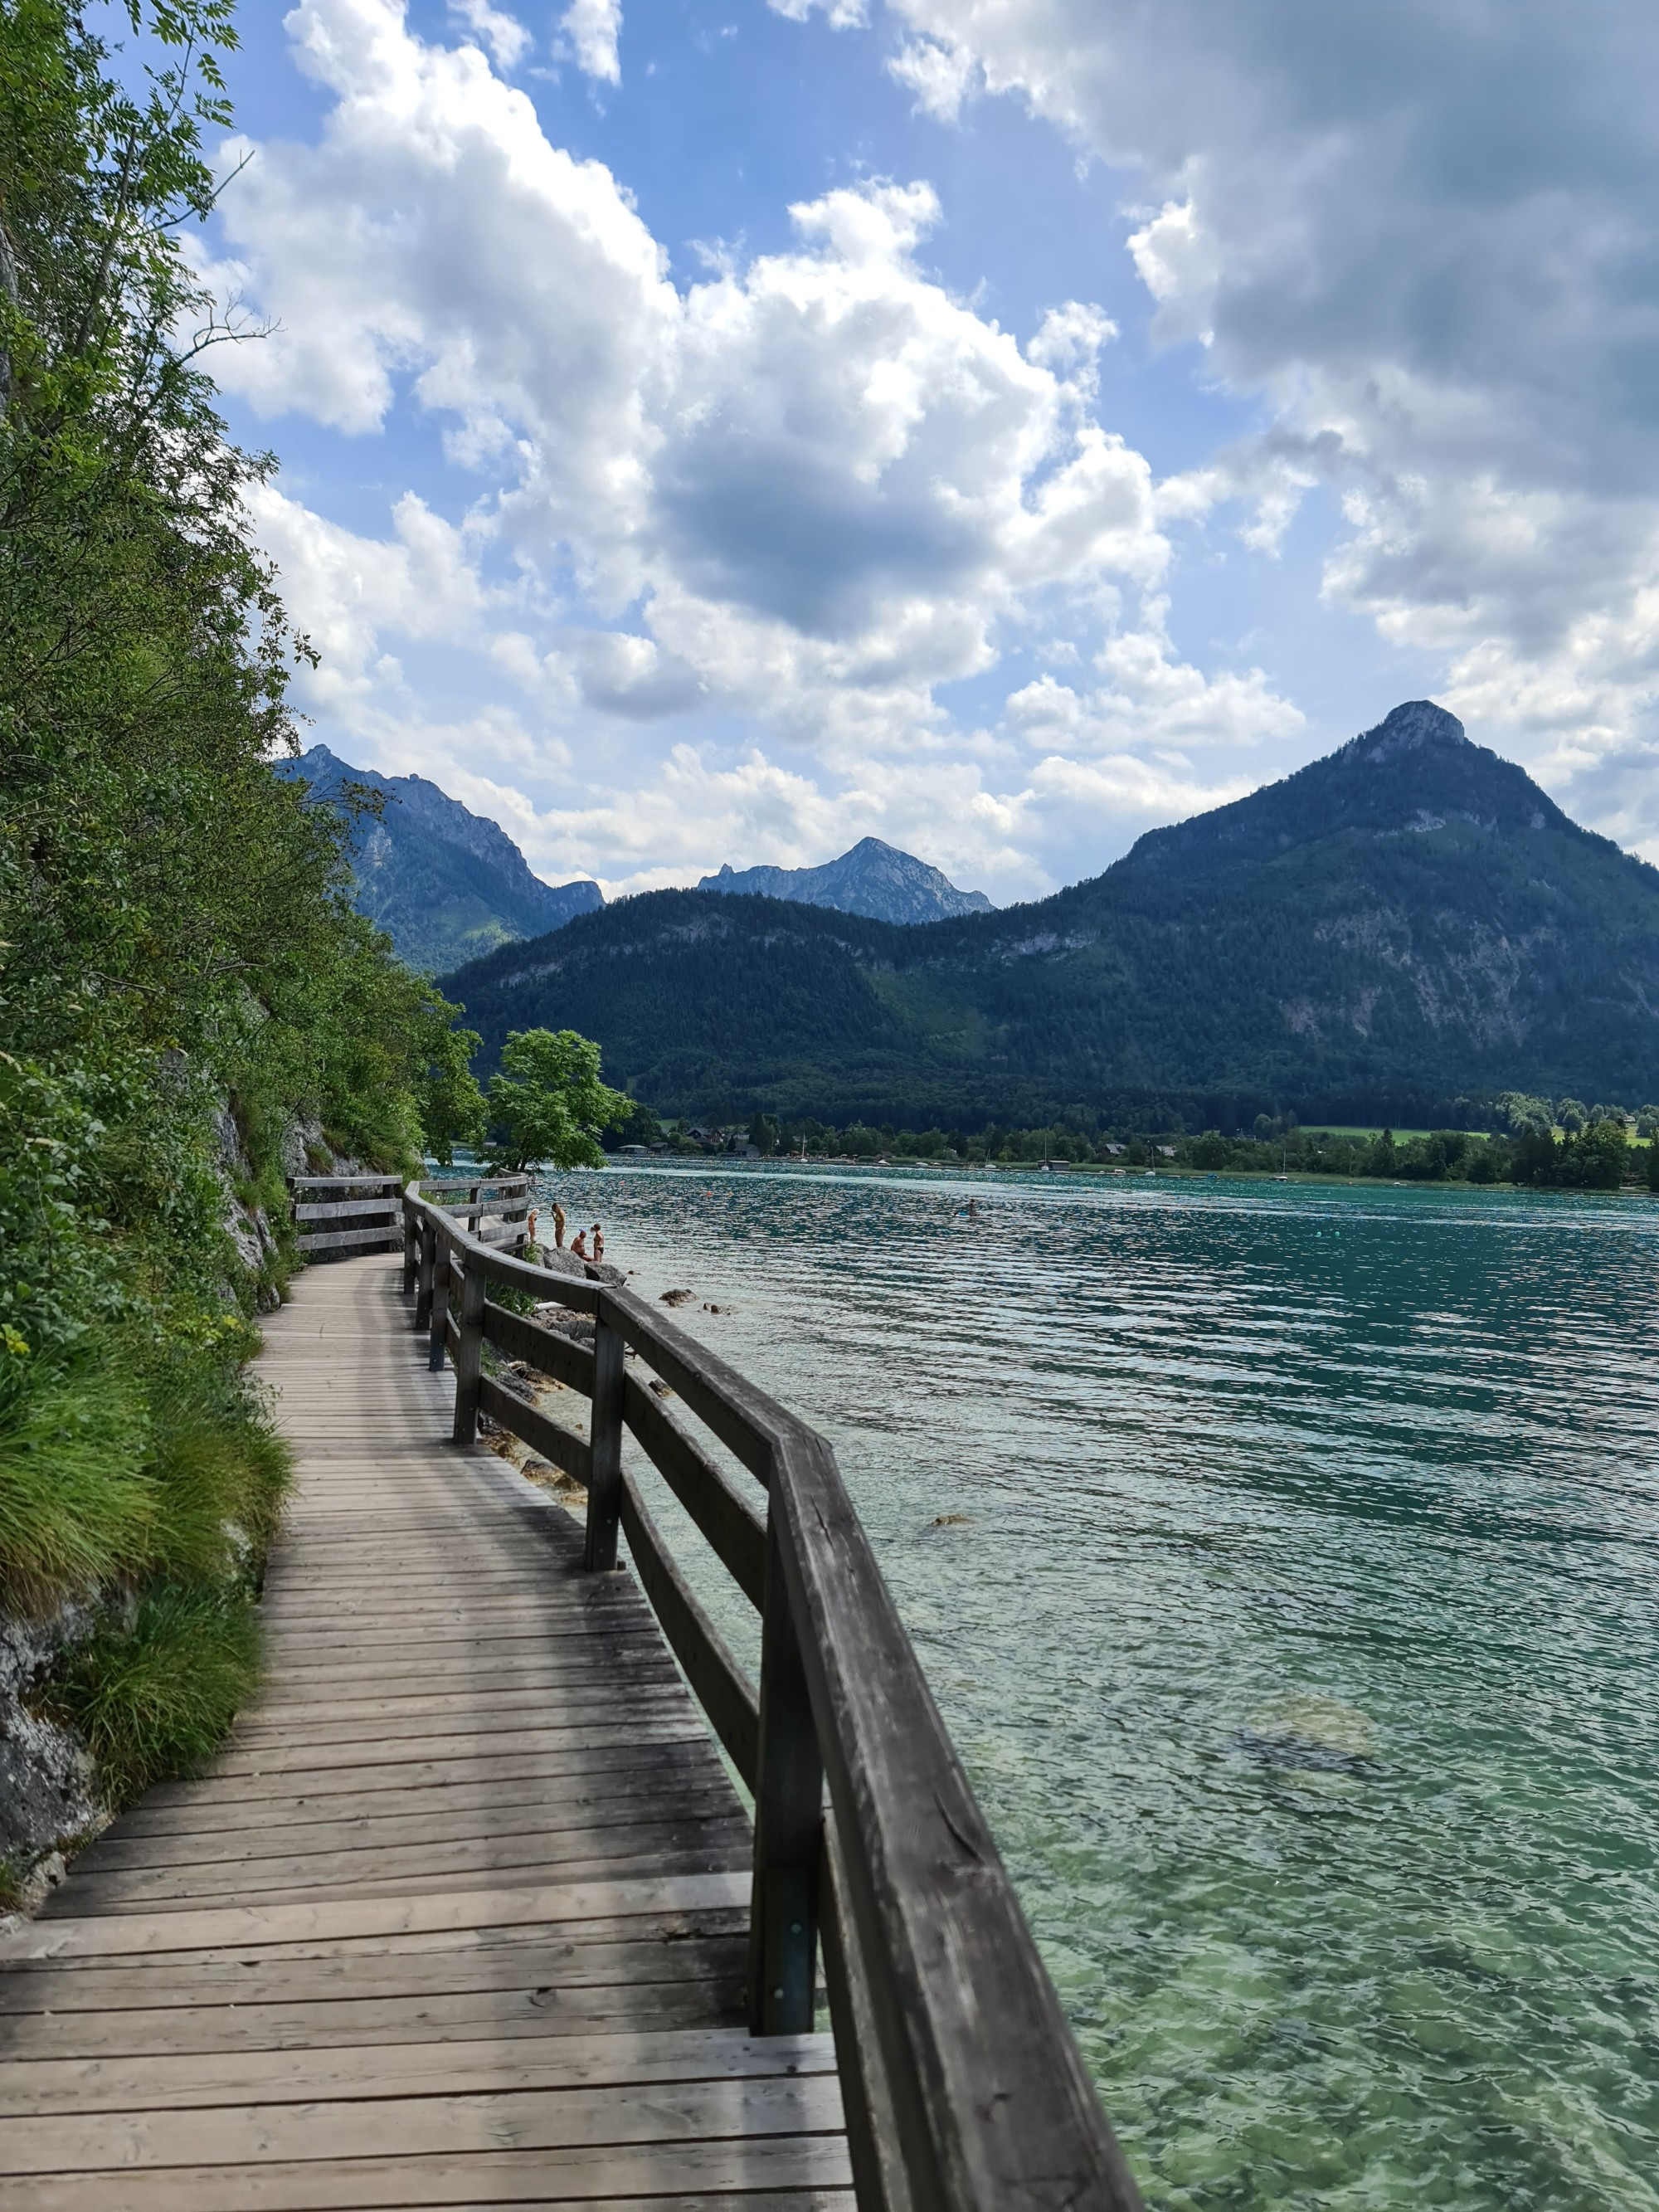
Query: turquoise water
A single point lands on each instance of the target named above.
(1297, 1630)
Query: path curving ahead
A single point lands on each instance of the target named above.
(458, 1917)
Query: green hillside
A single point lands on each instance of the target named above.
(1405, 923)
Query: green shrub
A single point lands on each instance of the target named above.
(155, 1697)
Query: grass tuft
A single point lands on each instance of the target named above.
(76, 1506)
(156, 1699)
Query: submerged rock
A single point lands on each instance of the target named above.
(1318, 1734)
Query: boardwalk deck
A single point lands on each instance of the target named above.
(458, 1918)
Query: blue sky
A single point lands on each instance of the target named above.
(998, 426)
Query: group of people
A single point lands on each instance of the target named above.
(586, 1244)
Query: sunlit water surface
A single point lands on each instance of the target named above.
(1283, 1561)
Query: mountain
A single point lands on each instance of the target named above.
(873, 879)
(1406, 922)
(444, 883)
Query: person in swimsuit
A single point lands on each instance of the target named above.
(599, 1242)
(558, 1224)
(579, 1243)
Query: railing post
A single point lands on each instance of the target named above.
(424, 1280)
(468, 1352)
(788, 1824)
(438, 1317)
(605, 1444)
(411, 1247)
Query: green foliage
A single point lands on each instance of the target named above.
(548, 1103)
(182, 975)
(154, 1696)
(451, 1107)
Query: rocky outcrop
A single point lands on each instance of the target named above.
(49, 1801)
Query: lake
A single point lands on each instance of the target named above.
(1282, 1558)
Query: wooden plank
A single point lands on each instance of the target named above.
(551, 2007)
(341, 1240)
(687, 2172)
(561, 1446)
(597, 2115)
(621, 1768)
(527, 1813)
(350, 1209)
(735, 1530)
(365, 1182)
(599, 1951)
(545, 1349)
(484, 1908)
(518, 1978)
(404, 2069)
(461, 1769)
(663, 1838)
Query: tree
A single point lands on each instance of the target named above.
(764, 1135)
(1600, 1153)
(548, 1103)
(1571, 1114)
(447, 1098)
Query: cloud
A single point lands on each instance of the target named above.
(591, 29)
(791, 501)
(505, 38)
(1418, 231)
(941, 78)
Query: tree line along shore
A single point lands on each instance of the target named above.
(1598, 1148)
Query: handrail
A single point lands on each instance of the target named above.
(964, 2086)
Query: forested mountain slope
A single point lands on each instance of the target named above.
(1408, 921)
(446, 884)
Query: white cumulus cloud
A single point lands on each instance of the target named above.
(793, 500)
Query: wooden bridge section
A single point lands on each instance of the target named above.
(469, 1912)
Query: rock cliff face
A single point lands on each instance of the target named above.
(444, 884)
(873, 878)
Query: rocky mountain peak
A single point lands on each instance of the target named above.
(1408, 729)
(871, 879)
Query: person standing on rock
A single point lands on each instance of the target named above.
(599, 1242)
(558, 1226)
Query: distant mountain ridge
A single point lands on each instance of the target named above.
(871, 879)
(446, 884)
(1408, 920)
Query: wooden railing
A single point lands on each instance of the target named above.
(964, 2087)
(338, 1215)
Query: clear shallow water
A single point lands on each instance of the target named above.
(1299, 1632)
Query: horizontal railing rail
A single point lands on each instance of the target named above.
(964, 2086)
(341, 1215)
(347, 1214)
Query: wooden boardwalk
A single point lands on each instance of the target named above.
(458, 1917)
